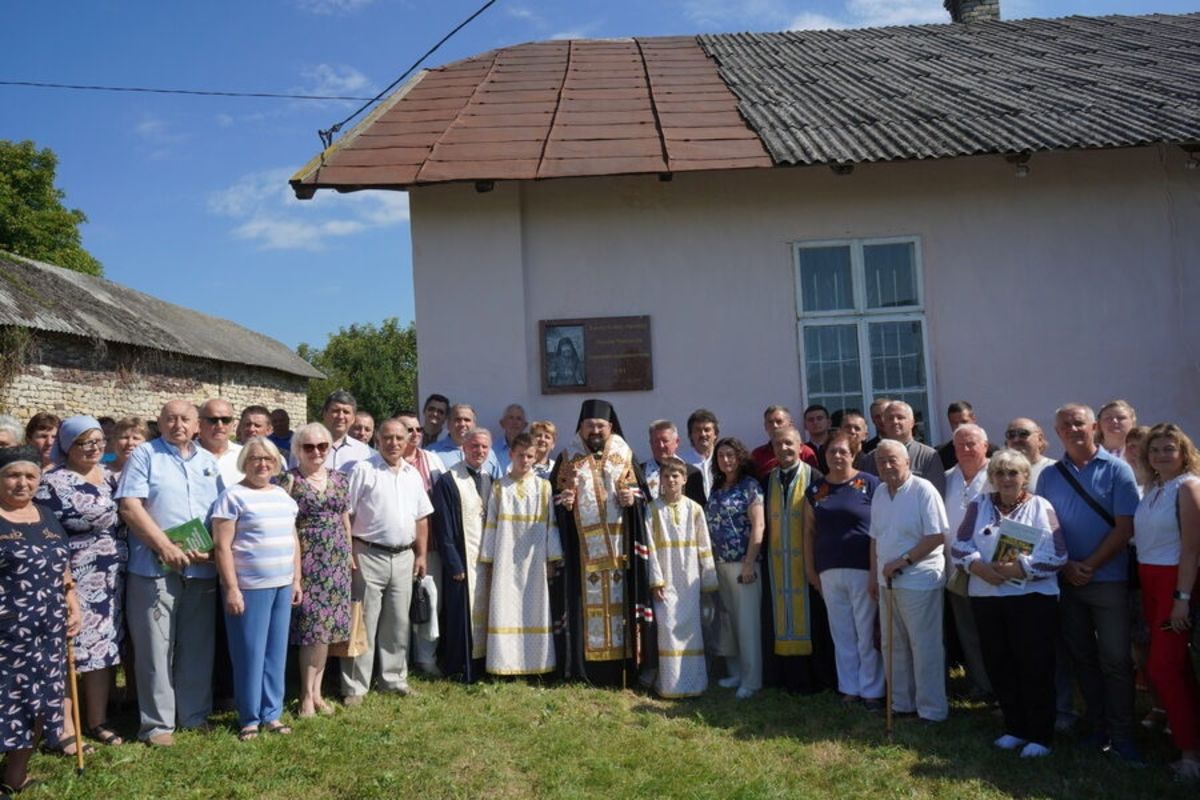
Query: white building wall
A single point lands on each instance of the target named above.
(1074, 283)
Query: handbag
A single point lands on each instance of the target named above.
(421, 609)
(356, 645)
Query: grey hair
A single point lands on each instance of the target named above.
(907, 407)
(1008, 459)
(772, 409)
(474, 432)
(663, 425)
(1070, 408)
(265, 444)
(12, 425)
(783, 429)
(968, 428)
(891, 444)
(459, 407)
(339, 397)
(313, 430)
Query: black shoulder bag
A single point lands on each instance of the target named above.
(1108, 518)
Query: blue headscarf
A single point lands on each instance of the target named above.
(70, 430)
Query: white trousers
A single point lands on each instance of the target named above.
(743, 603)
(851, 614)
(918, 654)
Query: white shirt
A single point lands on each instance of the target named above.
(227, 466)
(386, 503)
(1036, 469)
(899, 523)
(1156, 524)
(705, 466)
(959, 496)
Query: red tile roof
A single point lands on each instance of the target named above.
(547, 110)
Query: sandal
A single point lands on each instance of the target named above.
(278, 727)
(59, 748)
(105, 735)
(247, 734)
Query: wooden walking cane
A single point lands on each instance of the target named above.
(887, 663)
(74, 690)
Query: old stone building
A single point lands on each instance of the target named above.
(76, 344)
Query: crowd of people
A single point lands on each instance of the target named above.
(196, 556)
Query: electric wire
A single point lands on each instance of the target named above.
(200, 92)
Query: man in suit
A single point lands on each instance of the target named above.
(664, 443)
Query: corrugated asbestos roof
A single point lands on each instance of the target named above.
(669, 104)
(934, 91)
(48, 298)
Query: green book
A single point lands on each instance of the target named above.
(191, 535)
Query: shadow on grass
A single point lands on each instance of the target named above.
(955, 751)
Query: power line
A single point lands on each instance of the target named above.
(200, 92)
(327, 134)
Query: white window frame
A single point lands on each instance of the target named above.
(861, 317)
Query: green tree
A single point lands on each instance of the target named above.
(378, 365)
(33, 220)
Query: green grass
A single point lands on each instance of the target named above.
(511, 740)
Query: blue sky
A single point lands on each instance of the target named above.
(187, 197)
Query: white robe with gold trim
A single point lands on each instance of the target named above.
(681, 562)
(520, 540)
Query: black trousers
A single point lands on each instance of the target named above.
(1017, 636)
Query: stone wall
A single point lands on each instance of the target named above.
(72, 375)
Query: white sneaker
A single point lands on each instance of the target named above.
(1009, 742)
(729, 683)
(744, 694)
(1034, 750)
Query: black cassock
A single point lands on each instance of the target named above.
(454, 620)
(566, 598)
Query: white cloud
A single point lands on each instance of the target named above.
(814, 22)
(270, 216)
(332, 6)
(523, 13)
(794, 14)
(577, 33)
(159, 136)
(335, 79)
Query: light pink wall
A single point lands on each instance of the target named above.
(1072, 283)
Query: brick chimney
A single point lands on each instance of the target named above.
(973, 10)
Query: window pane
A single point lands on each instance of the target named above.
(832, 369)
(898, 366)
(825, 278)
(891, 275)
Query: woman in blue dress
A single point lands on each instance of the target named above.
(38, 610)
(79, 493)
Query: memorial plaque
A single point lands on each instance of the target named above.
(601, 354)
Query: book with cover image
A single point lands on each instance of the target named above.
(1014, 539)
(191, 535)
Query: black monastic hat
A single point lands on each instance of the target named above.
(595, 408)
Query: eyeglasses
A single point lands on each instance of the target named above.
(91, 445)
(1018, 433)
(218, 420)
(317, 447)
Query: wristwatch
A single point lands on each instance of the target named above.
(907, 559)
(1182, 595)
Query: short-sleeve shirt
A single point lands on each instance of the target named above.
(386, 503)
(264, 539)
(842, 512)
(899, 523)
(1110, 482)
(728, 513)
(175, 489)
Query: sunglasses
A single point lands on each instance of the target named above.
(318, 447)
(1017, 433)
(218, 420)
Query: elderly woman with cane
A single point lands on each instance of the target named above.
(38, 610)
(79, 492)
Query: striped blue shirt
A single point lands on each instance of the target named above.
(264, 539)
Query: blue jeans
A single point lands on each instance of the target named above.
(258, 649)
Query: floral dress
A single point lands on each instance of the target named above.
(323, 617)
(728, 513)
(33, 630)
(99, 553)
